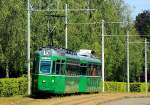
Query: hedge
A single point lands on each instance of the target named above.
(122, 87)
(13, 86)
(18, 86)
(115, 87)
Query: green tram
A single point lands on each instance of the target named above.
(60, 71)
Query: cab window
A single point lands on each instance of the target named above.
(45, 66)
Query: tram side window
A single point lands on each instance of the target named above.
(94, 70)
(91, 70)
(83, 69)
(73, 70)
(63, 68)
(53, 67)
(88, 71)
(59, 67)
(98, 71)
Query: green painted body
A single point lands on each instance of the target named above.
(61, 84)
(66, 84)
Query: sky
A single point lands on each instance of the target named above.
(137, 6)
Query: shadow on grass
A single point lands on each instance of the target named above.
(50, 95)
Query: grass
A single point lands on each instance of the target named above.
(86, 99)
(10, 100)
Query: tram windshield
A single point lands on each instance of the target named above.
(45, 66)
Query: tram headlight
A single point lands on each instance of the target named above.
(43, 81)
(53, 81)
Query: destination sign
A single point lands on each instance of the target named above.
(46, 52)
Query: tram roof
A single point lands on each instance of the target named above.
(66, 54)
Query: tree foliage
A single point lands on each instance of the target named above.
(13, 32)
(142, 23)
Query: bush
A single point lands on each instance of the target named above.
(115, 87)
(13, 86)
(122, 87)
(149, 87)
(136, 87)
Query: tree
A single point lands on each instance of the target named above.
(12, 36)
(142, 24)
(13, 25)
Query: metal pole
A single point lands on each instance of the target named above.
(103, 61)
(7, 70)
(128, 73)
(28, 50)
(66, 23)
(49, 32)
(146, 90)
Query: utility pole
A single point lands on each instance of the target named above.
(66, 23)
(103, 56)
(7, 70)
(48, 26)
(128, 73)
(146, 90)
(28, 49)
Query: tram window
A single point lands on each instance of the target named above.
(73, 69)
(45, 66)
(63, 68)
(98, 71)
(94, 71)
(60, 67)
(83, 70)
(90, 70)
(53, 67)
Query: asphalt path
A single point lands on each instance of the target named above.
(130, 101)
